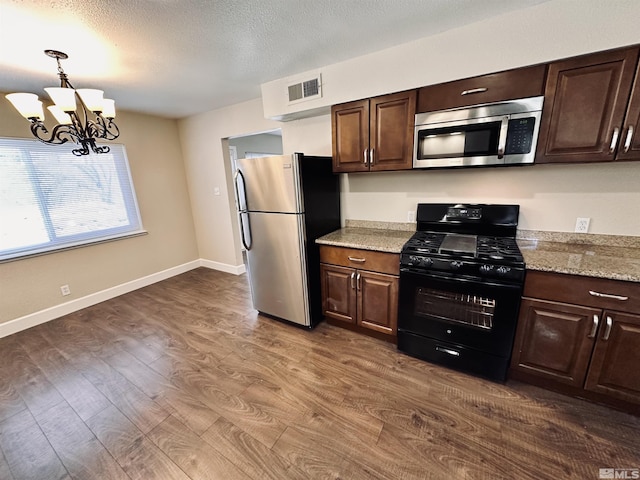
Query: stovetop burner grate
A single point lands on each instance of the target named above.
(498, 249)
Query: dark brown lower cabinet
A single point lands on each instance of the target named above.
(615, 364)
(554, 341)
(378, 302)
(360, 299)
(589, 351)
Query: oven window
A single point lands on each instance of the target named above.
(469, 310)
(478, 139)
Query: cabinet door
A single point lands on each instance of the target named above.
(391, 131)
(494, 87)
(338, 292)
(350, 135)
(615, 365)
(378, 301)
(554, 340)
(629, 147)
(585, 103)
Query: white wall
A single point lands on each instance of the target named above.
(544, 32)
(207, 166)
(551, 195)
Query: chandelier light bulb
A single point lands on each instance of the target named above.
(92, 98)
(60, 115)
(27, 104)
(64, 98)
(109, 108)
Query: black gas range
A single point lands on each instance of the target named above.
(461, 277)
(460, 254)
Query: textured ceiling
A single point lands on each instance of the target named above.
(180, 57)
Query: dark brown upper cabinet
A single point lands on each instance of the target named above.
(629, 147)
(374, 134)
(583, 117)
(495, 87)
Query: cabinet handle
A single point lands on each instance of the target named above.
(614, 140)
(357, 260)
(359, 282)
(607, 332)
(366, 150)
(608, 295)
(596, 320)
(474, 90)
(353, 276)
(371, 157)
(627, 142)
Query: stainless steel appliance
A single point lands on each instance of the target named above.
(461, 278)
(504, 133)
(284, 203)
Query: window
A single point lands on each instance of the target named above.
(51, 199)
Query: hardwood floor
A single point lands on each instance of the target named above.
(183, 380)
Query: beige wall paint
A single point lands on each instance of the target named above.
(548, 31)
(30, 285)
(207, 166)
(551, 196)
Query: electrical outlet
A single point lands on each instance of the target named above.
(65, 290)
(411, 216)
(582, 225)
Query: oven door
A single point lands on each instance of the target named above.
(472, 314)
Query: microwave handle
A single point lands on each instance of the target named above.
(502, 139)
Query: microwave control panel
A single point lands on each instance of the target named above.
(520, 135)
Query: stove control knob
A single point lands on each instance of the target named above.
(426, 262)
(503, 270)
(455, 265)
(486, 268)
(413, 260)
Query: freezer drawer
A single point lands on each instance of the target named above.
(277, 269)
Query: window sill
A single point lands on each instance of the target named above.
(50, 250)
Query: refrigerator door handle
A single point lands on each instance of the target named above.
(242, 210)
(237, 185)
(242, 234)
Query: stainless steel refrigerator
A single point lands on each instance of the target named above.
(284, 203)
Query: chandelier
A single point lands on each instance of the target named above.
(72, 111)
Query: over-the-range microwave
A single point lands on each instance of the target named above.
(501, 133)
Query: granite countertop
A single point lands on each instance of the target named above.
(379, 236)
(602, 256)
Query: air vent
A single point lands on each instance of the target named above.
(306, 90)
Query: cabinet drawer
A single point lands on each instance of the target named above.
(508, 85)
(362, 259)
(575, 289)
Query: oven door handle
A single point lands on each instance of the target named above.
(448, 351)
(502, 139)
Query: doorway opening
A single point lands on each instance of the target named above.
(262, 144)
